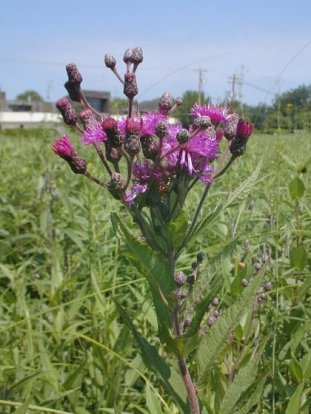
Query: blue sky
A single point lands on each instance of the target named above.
(267, 43)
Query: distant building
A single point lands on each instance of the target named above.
(29, 114)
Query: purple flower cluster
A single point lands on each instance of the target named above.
(156, 153)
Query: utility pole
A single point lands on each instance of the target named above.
(234, 81)
(201, 83)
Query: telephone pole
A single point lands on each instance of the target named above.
(234, 81)
(201, 83)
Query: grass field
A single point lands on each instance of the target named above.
(63, 346)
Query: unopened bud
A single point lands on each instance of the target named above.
(183, 136)
(181, 294)
(203, 122)
(165, 103)
(137, 55)
(132, 144)
(110, 61)
(180, 278)
(127, 57)
(215, 302)
(244, 282)
(87, 118)
(200, 257)
(211, 320)
(194, 265)
(150, 147)
(267, 286)
(229, 126)
(78, 164)
(130, 85)
(73, 73)
(116, 185)
(112, 154)
(68, 113)
(161, 130)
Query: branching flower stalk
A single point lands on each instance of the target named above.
(151, 164)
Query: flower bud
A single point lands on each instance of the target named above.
(116, 185)
(200, 257)
(267, 286)
(229, 127)
(183, 136)
(73, 73)
(194, 265)
(63, 148)
(137, 55)
(150, 147)
(238, 146)
(211, 320)
(245, 282)
(203, 121)
(112, 154)
(215, 302)
(132, 145)
(87, 118)
(244, 129)
(110, 61)
(180, 278)
(127, 57)
(68, 113)
(165, 103)
(78, 165)
(181, 294)
(130, 85)
(161, 130)
(110, 126)
(74, 81)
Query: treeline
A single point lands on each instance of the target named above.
(289, 111)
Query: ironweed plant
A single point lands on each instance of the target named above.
(150, 166)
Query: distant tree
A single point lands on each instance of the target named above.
(30, 95)
(118, 106)
(189, 99)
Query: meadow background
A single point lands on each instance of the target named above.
(63, 345)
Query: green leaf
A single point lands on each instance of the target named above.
(157, 272)
(243, 189)
(177, 229)
(215, 340)
(296, 188)
(152, 402)
(296, 369)
(299, 257)
(242, 381)
(153, 361)
(293, 406)
(252, 398)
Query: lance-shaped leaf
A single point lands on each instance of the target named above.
(244, 379)
(154, 362)
(215, 340)
(243, 189)
(157, 272)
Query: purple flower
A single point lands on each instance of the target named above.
(149, 122)
(63, 147)
(244, 129)
(197, 154)
(94, 133)
(142, 171)
(215, 113)
(133, 192)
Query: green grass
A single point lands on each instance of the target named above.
(64, 347)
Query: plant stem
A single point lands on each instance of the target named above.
(191, 390)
